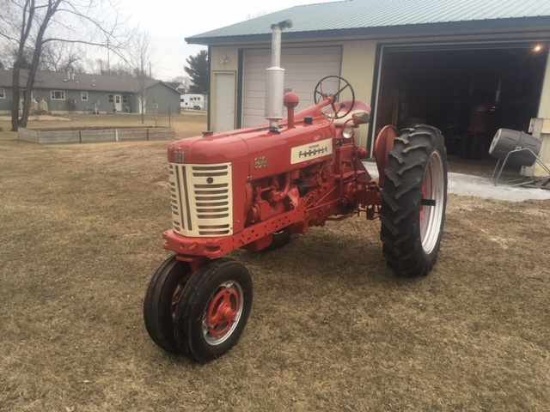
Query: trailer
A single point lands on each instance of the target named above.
(192, 102)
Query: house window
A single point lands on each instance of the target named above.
(57, 95)
(125, 99)
(84, 96)
(2, 94)
(111, 98)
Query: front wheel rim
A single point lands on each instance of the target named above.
(223, 313)
(433, 203)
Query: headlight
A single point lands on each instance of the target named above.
(348, 132)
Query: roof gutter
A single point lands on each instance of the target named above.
(511, 25)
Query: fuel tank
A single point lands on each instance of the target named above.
(260, 151)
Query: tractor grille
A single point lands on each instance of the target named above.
(202, 200)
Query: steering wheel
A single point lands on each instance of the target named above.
(319, 95)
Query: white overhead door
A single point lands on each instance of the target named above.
(224, 85)
(304, 67)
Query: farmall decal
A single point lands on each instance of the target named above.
(311, 151)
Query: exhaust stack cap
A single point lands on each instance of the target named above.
(285, 24)
(275, 78)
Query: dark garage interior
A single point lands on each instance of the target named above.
(467, 93)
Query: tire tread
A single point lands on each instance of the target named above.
(401, 195)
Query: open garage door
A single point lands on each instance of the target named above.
(304, 67)
(468, 91)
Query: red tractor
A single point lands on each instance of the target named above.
(255, 188)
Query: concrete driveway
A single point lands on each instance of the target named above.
(470, 185)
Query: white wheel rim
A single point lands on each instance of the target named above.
(431, 216)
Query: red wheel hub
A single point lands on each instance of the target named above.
(222, 311)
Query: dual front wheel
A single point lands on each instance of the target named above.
(199, 314)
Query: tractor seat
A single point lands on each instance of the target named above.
(357, 107)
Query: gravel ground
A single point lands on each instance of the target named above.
(483, 187)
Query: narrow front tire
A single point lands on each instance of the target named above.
(214, 309)
(164, 290)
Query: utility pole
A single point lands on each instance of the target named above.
(142, 85)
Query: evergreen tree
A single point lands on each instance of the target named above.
(198, 72)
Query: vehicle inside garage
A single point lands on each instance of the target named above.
(467, 92)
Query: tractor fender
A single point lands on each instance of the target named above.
(382, 148)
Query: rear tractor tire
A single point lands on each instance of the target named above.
(414, 199)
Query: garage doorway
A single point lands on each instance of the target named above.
(466, 91)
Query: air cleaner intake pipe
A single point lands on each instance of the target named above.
(275, 78)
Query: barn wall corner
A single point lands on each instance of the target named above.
(358, 65)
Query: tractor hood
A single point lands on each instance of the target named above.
(263, 151)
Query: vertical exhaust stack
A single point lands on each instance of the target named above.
(275, 78)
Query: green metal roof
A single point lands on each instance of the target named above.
(378, 16)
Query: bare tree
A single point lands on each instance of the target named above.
(34, 24)
(122, 69)
(140, 59)
(62, 57)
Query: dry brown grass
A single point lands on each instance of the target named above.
(331, 329)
